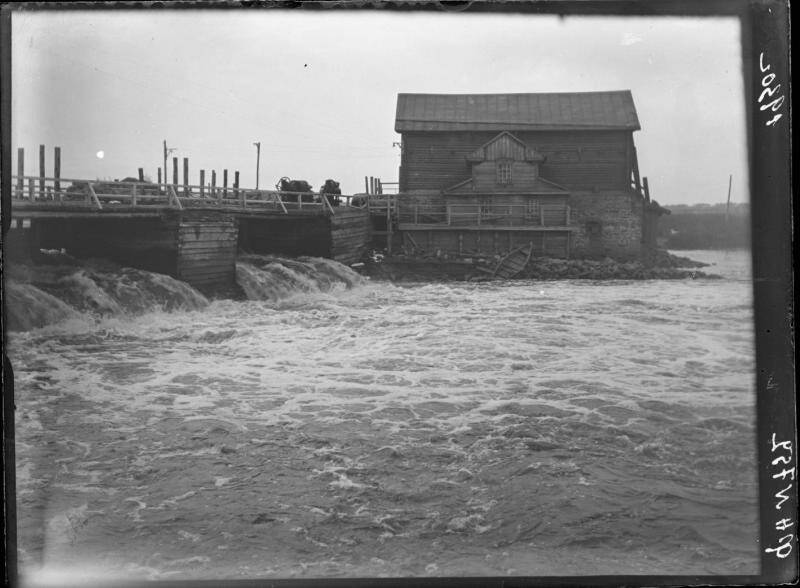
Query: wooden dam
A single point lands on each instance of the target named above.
(191, 232)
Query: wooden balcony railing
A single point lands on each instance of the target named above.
(477, 215)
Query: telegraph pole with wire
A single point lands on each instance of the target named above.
(166, 153)
(258, 159)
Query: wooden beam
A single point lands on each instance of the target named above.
(20, 172)
(93, 194)
(636, 180)
(173, 197)
(41, 171)
(57, 169)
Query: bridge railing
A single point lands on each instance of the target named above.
(99, 194)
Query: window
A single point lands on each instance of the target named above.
(486, 205)
(504, 173)
(532, 209)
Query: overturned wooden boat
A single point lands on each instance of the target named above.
(512, 264)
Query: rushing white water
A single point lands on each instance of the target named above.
(330, 426)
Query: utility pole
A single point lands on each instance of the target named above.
(258, 159)
(166, 153)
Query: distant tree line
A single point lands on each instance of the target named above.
(704, 226)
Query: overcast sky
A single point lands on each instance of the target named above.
(319, 90)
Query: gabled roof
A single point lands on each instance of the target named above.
(539, 186)
(498, 112)
(504, 145)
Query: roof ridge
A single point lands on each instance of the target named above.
(607, 109)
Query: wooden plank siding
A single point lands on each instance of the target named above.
(577, 160)
(351, 231)
(207, 252)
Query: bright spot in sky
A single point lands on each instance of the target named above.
(101, 154)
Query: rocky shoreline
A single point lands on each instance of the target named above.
(659, 266)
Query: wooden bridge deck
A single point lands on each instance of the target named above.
(38, 197)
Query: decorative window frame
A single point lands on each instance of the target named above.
(503, 176)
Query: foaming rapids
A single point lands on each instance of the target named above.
(47, 294)
(263, 277)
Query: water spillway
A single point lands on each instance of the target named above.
(63, 289)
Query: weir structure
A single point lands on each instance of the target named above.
(190, 232)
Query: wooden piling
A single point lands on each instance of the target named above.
(57, 170)
(224, 183)
(159, 179)
(202, 183)
(31, 189)
(366, 184)
(236, 184)
(213, 183)
(42, 174)
(141, 174)
(174, 171)
(646, 189)
(185, 176)
(20, 172)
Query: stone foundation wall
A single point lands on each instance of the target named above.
(608, 224)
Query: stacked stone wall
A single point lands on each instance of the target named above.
(607, 224)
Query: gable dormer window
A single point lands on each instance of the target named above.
(504, 173)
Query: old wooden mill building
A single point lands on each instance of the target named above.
(480, 174)
(485, 173)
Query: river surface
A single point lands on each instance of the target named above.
(330, 426)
